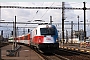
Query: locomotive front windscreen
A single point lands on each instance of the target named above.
(47, 31)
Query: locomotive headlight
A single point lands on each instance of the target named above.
(47, 26)
(57, 40)
(39, 40)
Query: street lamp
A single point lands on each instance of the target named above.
(78, 26)
(78, 22)
(14, 35)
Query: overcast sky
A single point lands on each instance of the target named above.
(24, 15)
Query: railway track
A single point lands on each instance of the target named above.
(55, 57)
(4, 44)
(80, 53)
(73, 55)
(49, 56)
(62, 54)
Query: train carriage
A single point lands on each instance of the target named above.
(11, 39)
(43, 37)
(24, 39)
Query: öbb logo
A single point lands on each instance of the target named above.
(48, 38)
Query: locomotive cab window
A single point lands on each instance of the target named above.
(47, 31)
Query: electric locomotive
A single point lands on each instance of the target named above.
(45, 38)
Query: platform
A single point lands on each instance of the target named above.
(24, 54)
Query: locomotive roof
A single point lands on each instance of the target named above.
(44, 26)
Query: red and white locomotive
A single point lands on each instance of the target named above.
(44, 38)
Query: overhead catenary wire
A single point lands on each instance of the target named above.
(46, 10)
(61, 13)
(36, 12)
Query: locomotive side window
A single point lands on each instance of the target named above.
(47, 31)
(36, 32)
